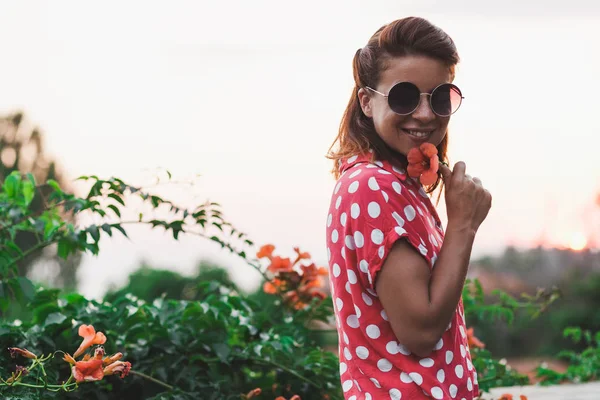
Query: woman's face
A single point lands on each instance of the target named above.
(403, 132)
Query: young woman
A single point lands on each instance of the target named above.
(396, 276)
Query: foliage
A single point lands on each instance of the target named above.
(220, 344)
(583, 367)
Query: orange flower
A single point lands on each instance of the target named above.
(265, 251)
(506, 396)
(86, 371)
(112, 359)
(301, 255)
(118, 367)
(90, 337)
(473, 341)
(280, 264)
(24, 352)
(69, 359)
(253, 393)
(423, 162)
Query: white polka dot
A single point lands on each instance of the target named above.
(463, 352)
(449, 356)
(469, 384)
(410, 213)
(354, 210)
(384, 172)
(352, 397)
(404, 377)
(368, 301)
(346, 338)
(343, 368)
(339, 304)
(338, 202)
(347, 385)
(395, 394)
(400, 230)
(399, 170)
(359, 239)
(384, 315)
(398, 218)
(373, 331)
(423, 249)
(350, 242)
(426, 362)
(348, 289)
(441, 376)
(353, 187)
(362, 352)
(392, 347)
(376, 383)
(453, 390)
(439, 344)
(337, 187)
(376, 236)
(384, 365)
(416, 377)
(402, 349)
(347, 354)
(475, 377)
(374, 209)
(462, 331)
(449, 326)
(385, 196)
(352, 159)
(378, 163)
(371, 292)
(437, 393)
(459, 371)
(352, 321)
(334, 236)
(364, 266)
(368, 396)
(381, 252)
(343, 252)
(336, 270)
(397, 187)
(328, 254)
(352, 277)
(355, 174)
(469, 365)
(329, 220)
(373, 183)
(357, 311)
(343, 219)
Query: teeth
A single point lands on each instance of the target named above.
(419, 134)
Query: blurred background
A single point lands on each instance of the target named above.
(244, 99)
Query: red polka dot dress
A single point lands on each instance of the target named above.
(373, 205)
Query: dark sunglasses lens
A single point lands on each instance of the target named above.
(446, 99)
(404, 98)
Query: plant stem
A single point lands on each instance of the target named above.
(275, 364)
(159, 382)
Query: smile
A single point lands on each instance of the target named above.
(417, 134)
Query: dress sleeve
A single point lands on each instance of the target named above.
(383, 210)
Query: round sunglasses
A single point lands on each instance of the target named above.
(404, 98)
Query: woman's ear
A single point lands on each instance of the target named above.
(365, 102)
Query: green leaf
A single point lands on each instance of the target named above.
(55, 318)
(120, 229)
(106, 228)
(115, 209)
(53, 184)
(11, 184)
(27, 288)
(93, 230)
(116, 198)
(28, 190)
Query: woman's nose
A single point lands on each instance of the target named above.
(424, 112)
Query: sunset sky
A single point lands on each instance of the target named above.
(249, 95)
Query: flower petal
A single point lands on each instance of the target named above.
(415, 156)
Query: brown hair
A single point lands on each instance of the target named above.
(407, 36)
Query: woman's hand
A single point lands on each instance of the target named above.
(467, 201)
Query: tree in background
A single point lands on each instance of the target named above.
(147, 283)
(22, 149)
